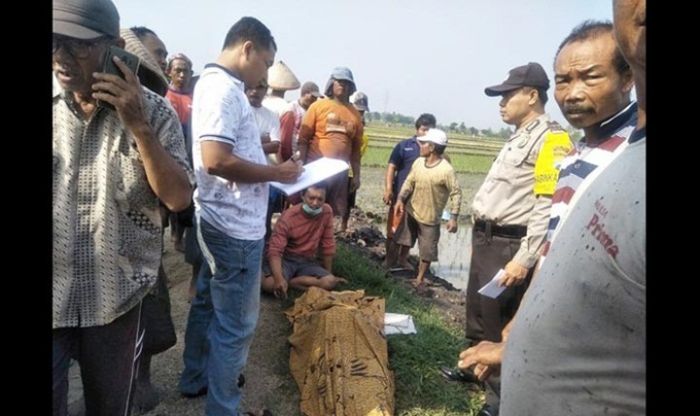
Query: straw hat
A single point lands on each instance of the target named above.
(280, 77)
(150, 74)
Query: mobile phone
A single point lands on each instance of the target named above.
(132, 61)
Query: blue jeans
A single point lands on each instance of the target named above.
(194, 376)
(234, 286)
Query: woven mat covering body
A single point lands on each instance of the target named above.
(339, 355)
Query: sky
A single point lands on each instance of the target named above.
(408, 56)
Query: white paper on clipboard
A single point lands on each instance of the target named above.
(314, 172)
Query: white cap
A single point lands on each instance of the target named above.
(360, 101)
(436, 136)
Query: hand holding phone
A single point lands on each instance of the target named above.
(109, 67)
(120, 87)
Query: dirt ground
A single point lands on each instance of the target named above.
(268, 381)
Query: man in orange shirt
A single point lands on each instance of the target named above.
(333, 128)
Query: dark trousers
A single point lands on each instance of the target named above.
(108, 357)
(486, 317)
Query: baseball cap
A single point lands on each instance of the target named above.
(85, 19)
(310, 88)
(530, 75)
(436, 136)
(360, 101)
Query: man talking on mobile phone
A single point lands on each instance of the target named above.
(110, 170)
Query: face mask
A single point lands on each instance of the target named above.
(311, 211)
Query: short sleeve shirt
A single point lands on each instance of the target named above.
(402, 156)
(268, 122)
(221, 112)
(107, 235)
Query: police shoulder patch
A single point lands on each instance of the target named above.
(555, 126)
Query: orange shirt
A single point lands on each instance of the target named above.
(332, 130)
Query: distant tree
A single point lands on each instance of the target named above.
(473, 131)
(487, 133)
(453, 126)
(462, 128)
(505, 133)
(407, 120)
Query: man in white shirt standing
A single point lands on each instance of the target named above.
(231, 201)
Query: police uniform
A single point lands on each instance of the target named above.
(510, 214)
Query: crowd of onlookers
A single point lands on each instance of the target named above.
(559, 225)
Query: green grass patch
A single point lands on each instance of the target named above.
(378, 157)
(401, 132)
(420, 389)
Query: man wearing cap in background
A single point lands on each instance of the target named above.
(280, 79)
(111, 168)
(511, 210)
(360, 101)
(333, 128)
(290, 121)
(398, 167)
(423, 196)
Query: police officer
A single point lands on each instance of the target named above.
(511, 209)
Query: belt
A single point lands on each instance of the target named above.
(506, 231)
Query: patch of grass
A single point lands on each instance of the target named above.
(420, 389)
(378, 157)
(402, 131)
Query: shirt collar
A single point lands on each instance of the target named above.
(228, 72)
(638, 134)
(614, 123)
(57, 90)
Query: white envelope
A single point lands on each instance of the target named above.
(492, 289)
